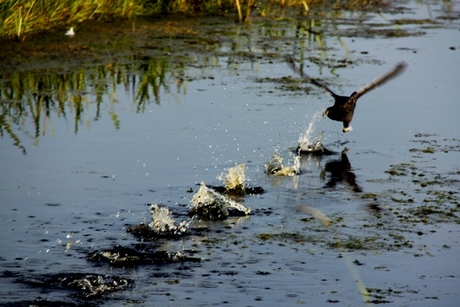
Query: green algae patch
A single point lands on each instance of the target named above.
(292, 237)
(369, 196)
(341, 240)
(400, 169)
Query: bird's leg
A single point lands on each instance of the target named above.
(346, 127)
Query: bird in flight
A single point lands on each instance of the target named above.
(344, 106)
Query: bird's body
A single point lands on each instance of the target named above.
(344, 106)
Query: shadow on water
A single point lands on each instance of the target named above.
(340, 171)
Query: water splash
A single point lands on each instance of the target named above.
(210, 204)
(307, 142)
(307, 136)
(276, 166)
(163, 223)
(235, 179)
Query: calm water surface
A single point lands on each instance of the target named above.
(85, 165)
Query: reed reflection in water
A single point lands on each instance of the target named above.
(38, 97)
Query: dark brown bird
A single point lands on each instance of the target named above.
(344, 106)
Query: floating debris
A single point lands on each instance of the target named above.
(209, 204)
(88, 286)
(125, 256)
(315, 213)
(276, 167)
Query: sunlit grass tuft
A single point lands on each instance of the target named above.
(22, 17)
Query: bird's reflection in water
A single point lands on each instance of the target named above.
(340, 172)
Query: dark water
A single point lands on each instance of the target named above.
(87, 145)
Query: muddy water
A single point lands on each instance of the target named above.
(98, 126)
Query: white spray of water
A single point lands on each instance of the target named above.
(235, 179)
(276, 166)
(207, 202)
(307, 138)
(162, 222)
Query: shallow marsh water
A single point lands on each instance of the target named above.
(106, 123)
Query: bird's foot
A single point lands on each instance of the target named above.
(346, 129)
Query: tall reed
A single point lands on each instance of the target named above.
(22, 17)
(19, 18)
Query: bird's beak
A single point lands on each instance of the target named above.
(325, 113)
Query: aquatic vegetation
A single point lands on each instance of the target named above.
(22, 18)
(209, 204)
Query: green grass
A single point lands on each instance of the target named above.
(20, 18)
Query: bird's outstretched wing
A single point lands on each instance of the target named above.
(307, 78)
(397, 70)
